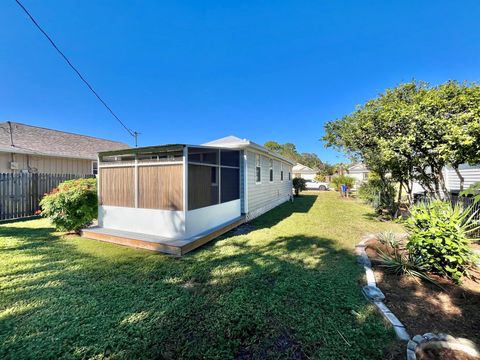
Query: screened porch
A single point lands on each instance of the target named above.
(168, 193)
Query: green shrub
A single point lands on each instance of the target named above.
(72, 205)
(299, 185)
(380, 194)
(438, 238)
(339, 180)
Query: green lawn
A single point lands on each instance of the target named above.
(288, 289)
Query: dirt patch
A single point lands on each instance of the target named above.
(424, 307)
(243, 229)
(281, 346)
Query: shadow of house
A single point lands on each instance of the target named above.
(249, 297)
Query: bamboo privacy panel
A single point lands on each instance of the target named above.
(117, 186)
(160, 187)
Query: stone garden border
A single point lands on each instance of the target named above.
(440, 341)
(374, 294)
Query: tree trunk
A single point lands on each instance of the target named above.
(460, 177)
(426, 183)
(399, 199)
(409, 190)
(446, 193)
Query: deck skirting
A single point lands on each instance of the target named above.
(176, 247)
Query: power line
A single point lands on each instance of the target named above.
(131, 132)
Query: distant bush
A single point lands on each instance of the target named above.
(438, 238)
(339, 180)
(72, 205)
(378, 193)
(299, 184)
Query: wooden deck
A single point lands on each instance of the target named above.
(176, 247)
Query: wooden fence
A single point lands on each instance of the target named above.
(20, 194)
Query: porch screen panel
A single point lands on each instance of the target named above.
(230, 184)
(202, 186)
(160, 187)
(117, 186)
(213, 176)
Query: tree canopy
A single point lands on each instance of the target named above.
(412, 132)
(311, 160)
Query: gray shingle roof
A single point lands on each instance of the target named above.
(29, 139)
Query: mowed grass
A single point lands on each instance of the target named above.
(288, 289)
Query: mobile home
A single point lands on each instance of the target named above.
(174, 198)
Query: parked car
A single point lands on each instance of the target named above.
(316, 185)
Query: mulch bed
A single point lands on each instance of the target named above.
(424, 307)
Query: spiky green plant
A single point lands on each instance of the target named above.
(401, 263)
(389, 238)
(438, 238)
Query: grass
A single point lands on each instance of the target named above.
(288, 289)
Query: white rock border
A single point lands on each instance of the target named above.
(363, 260)
(440, 341)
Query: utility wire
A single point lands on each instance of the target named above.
(131, 132)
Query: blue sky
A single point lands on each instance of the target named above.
(192, 71)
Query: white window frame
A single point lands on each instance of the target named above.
(258, 165)
(271, 175)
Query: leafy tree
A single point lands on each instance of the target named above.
(412, 132)
(311, 160)
(273, 146)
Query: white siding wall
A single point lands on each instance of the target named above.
(266, 195)
(471, 175)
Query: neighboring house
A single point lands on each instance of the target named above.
(174, 198)
(304, 172)
(31, 149)
(470, 174)
(359, 172)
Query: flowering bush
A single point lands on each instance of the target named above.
(72, 205)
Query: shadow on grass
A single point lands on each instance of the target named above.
(255, 296)
(300, 204)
